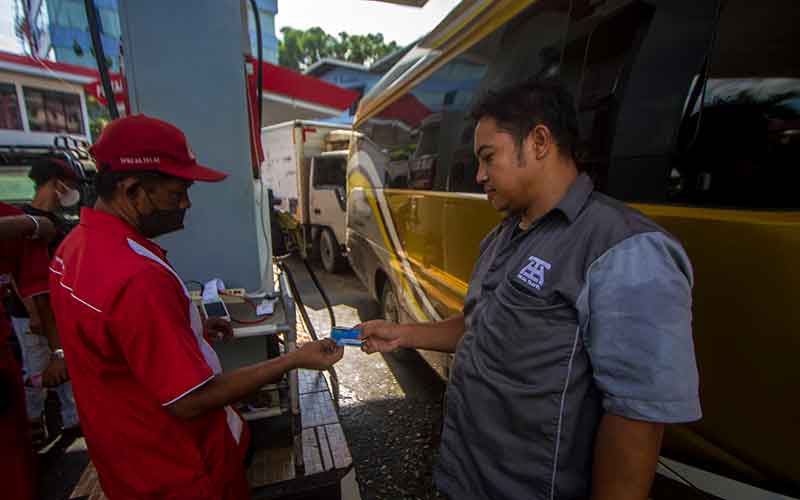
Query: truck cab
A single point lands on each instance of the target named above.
(305, 167)
(327, 200)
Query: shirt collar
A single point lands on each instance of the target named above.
(107, 223)
(573, 201)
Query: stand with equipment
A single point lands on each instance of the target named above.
(272, 413)
(299, 446)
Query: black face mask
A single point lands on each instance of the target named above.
(160, 221)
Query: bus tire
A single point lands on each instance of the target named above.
(390, 311)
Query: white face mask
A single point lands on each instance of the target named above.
(70, 197)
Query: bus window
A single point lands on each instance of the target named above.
(528, 47)
(465, 166)
(741, 141)
(600, 49)
(422, 133)
(630, 66)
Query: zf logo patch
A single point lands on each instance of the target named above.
(533, 273)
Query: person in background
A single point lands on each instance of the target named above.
(23, 261)
(56, 188)
(574, 347)
(154, 403)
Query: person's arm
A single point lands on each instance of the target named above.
(638, 308)
(230, 387)
(42, 320)
(625, 458)
(56, 371)
(32, 283)
(382, 336)
(23, 226)
(151, 323)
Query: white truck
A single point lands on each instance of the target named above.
(305, 166)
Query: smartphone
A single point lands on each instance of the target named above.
(216, 309)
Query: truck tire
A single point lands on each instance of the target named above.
(315, 253)
(330, 252)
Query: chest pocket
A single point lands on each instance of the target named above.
(523, 336)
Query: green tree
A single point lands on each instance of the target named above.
(300, 49)
(98, 117)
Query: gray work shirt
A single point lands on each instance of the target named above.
(585, 313)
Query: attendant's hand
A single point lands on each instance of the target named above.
(218, 329)
(318, 355)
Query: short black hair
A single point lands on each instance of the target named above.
(49, 168)
(521, 107)
(105, 182)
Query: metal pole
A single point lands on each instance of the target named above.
(260, 69)
(294, 386)
(100, 57)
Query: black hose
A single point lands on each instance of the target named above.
(284, 268)
(297, 298)
(100, 56)
(260, 69)
(321, 292)
(307, 322)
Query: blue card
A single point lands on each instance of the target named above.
(346, 336)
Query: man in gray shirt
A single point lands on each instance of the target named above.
(574, 347)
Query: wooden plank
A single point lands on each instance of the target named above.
(311, 455)
(97, 490)
(83, 489)
(339, 449)
(256, 473)
(317, 409)
(324, 448)
(88, 485)
(271, 465)
(311, 381)
(97, 494)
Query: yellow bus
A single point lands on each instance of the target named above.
(690, 111)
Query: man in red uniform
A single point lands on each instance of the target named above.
(23, 260)
(152, 400)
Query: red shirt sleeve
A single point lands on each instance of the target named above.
(150, 320)
(27, 260)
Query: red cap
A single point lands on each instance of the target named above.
(140, 142)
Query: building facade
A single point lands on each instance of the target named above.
(267, 10)
(69, 32)
(71, 41)
(355, 77)
(41, 100)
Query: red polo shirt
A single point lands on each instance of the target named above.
(24, 261)
(132, 346)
